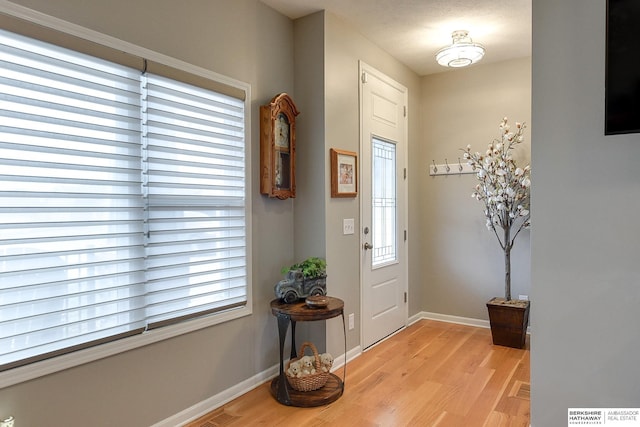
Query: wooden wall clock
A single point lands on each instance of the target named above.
(278, 147)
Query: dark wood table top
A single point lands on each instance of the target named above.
(300, 312)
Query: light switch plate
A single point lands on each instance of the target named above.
(348, 226)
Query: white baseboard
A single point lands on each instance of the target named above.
(340, 360)
(202, 408)
(468, 321)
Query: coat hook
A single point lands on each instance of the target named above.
(447, 167)
(459, 165)
(435, 168)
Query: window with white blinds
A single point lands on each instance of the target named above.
(194, 171)
(122, 201)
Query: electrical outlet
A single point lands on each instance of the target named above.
(7, 422)
(348, 226)
(523, 297)
(352, 321)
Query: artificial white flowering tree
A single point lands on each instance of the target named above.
(504, 188)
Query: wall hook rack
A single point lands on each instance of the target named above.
(446, 169)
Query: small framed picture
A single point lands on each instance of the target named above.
(344, 173)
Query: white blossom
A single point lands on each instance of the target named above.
(510, 192)
(503, 188)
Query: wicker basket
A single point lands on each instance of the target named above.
(309, 382)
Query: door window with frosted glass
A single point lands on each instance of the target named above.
(384, 202)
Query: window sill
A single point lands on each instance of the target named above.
(60, 363)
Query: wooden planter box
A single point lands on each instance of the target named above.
(508, 322)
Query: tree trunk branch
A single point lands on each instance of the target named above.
(507, 264)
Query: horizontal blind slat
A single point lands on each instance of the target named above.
(177, 316)
(31, 354)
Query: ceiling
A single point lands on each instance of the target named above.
(412, 31)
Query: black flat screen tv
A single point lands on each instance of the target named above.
(622, 85)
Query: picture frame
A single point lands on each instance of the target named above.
(344, 173)
(622, 68)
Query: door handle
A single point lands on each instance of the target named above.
(367, 246)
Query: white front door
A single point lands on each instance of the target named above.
(383, 148)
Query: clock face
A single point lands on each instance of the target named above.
(282, 131)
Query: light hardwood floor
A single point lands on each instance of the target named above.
(430, 374)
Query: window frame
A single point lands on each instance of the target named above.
(58, 363)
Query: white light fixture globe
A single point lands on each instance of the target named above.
(461, 53)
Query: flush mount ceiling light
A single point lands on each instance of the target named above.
(461, 53)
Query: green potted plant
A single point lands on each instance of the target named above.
(504, 188)
(303, 279)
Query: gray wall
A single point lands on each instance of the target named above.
(584, 264)
(344, 47)
(309, 206)
(462, 264)
(250, 42)
(585, 199)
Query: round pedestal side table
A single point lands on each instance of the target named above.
(300, 312)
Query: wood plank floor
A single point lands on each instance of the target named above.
(430, 374)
